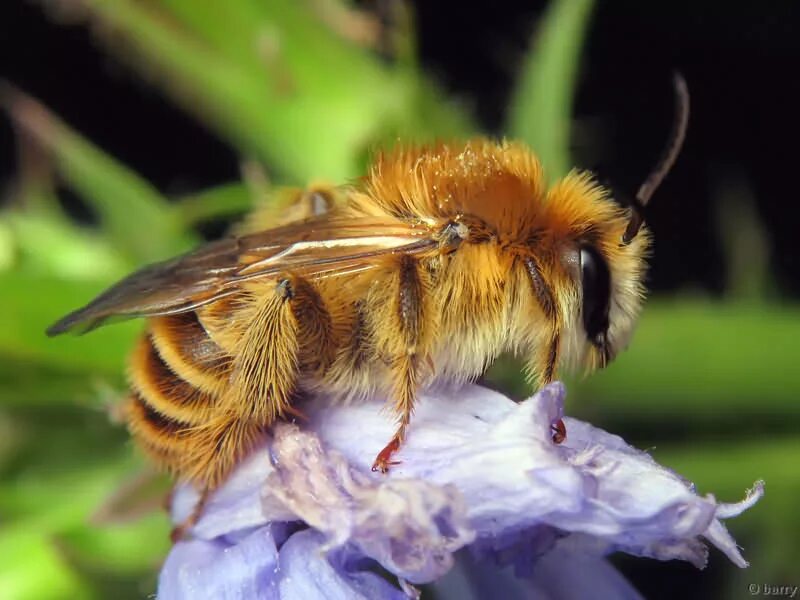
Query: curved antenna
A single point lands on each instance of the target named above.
(668, 157)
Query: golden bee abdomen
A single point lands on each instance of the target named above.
(176, 375)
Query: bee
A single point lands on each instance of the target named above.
(441, 258)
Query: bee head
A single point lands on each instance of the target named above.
(608, 279)
(611, 265)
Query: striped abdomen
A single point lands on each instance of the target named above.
(177, 375)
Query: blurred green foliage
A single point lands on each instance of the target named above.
(299, 88)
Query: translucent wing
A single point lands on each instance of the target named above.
(319, 247)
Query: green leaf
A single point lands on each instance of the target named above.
(725, 469)
(7, 246)
(271, 77)
(702, 361)
(56, 497)
(25, 382)
(30, 303)
(745, 241)
(541, 105)
(223, 201)
(129, 548)
(34, 569)
(132, 212)
(64, 520)
(49, 245)
(697, 363)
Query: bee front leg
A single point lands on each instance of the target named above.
(545, 360)
(401, 321)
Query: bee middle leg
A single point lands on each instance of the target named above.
(545, 361)
(401, 323)
(405, 371)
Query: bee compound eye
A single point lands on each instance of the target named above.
(596, 286)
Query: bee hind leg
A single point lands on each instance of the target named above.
(221, 447)
(181, 530)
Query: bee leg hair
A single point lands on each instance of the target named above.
(544, 365)
(405, 344)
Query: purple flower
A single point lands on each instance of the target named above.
(483, 500)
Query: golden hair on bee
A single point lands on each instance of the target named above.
(438, 260)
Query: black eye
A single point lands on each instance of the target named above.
(596, 282)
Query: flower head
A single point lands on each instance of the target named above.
(305, 517)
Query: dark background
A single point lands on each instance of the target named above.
(741, 62)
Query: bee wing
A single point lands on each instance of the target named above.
(318, 247)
